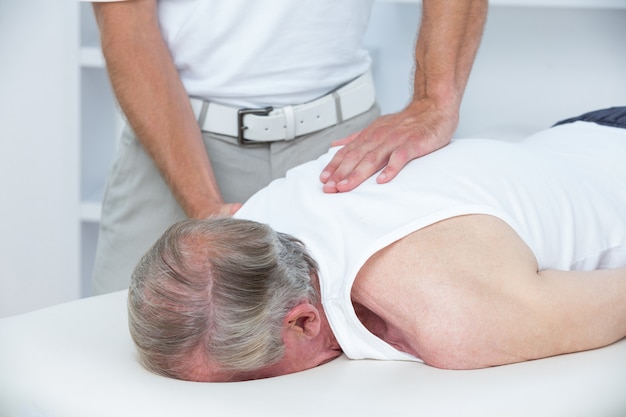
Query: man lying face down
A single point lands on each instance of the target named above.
(483, 253)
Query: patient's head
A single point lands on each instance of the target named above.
(226, 299)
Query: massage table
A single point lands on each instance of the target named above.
(77, 360)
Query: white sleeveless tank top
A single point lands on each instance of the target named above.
(562, 190)
(255, 53)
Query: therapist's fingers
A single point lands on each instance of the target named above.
(366, 152)
(388, 144)
(360, 155)
(228, 209)
(332, 166)
(221, 210)
(409, 145)
(364, 159)
(233, 208)
(397, 160)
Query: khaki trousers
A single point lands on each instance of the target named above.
(138, 206)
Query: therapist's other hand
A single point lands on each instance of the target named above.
(389, 143)
(231, 209)
(218, 210)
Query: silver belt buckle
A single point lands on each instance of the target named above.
(264, 111)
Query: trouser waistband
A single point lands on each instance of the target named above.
(288, 122)
(613, 116)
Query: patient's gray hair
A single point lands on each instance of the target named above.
(217, 291)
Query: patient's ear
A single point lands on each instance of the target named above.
(303, 320)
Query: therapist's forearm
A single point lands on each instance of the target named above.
(449, 36)
(150, 93)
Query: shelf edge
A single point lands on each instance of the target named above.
(91, 57)
(90, 211)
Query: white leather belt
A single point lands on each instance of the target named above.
(286, 123)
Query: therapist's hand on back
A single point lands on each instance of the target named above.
(389, 143)
(448, 39)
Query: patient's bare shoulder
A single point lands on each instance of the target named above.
(466, 293)
(425, 286)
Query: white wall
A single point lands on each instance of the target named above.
(38, 154)
(535, 65)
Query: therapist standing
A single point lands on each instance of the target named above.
(223, 96)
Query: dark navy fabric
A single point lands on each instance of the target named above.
(614, 116)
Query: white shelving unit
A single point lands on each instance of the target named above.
(39, 142)
(101, 124)
(539, 61)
